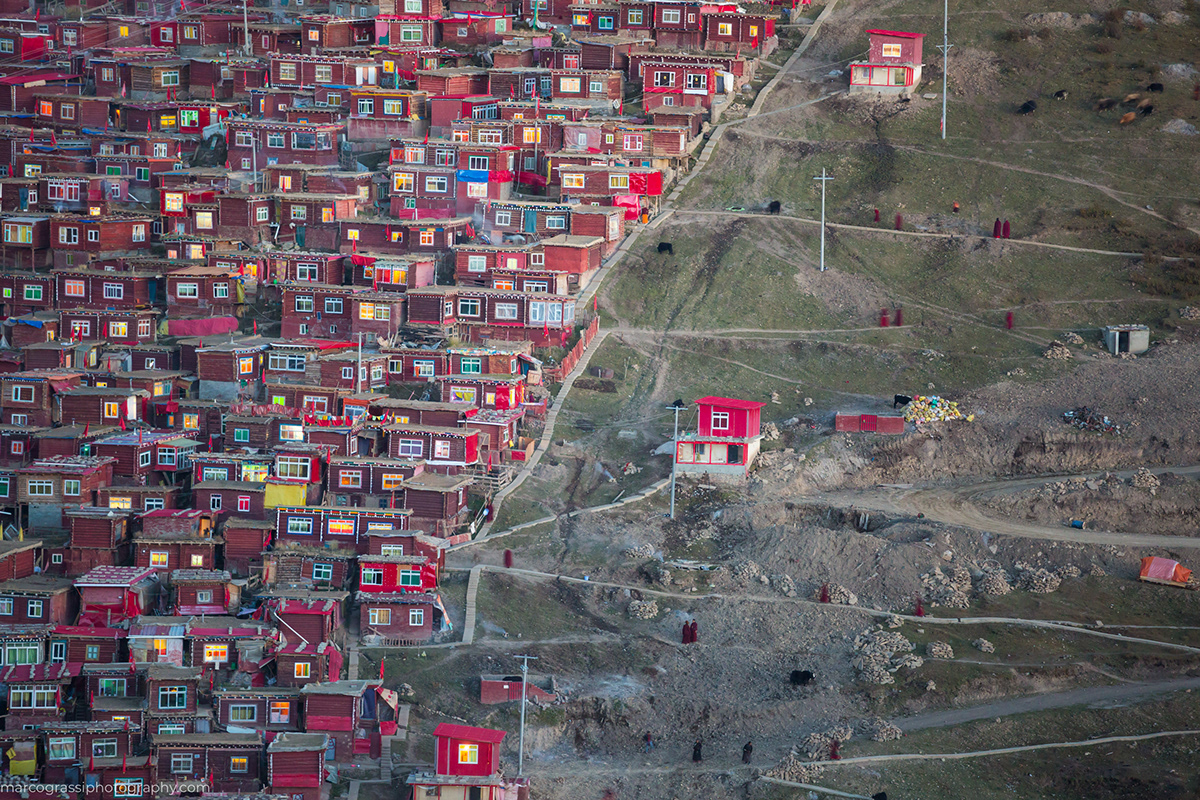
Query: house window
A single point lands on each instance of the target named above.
(556, 223)
(720, 420)
(366, 105)
(441, 449)
(303, 669)
(112, 410)
(300, 525)
(154, 504)
(90, 653)
(604, 23)
(216, 652)
(468, 753)
(6, 606)
(158, 558)
(139, 231)
(143, 332)
(71, 487)
(170, 729)
(275, 140)
(280, 712)
(172, 697)
(301, 212)
(635, 17)
(239, 763)
(350, 478)
(341, 527)
(241, 434)
(128, 787)
(287, 69)
(191, 290)
(112, 687)
(40, 488)
(618, 181)
(170, 77)
(34, 609)
(304, 304)
(664, 80)
(104, 748)
(181, 763)
(22, 394)
(372, 576)
(891, 51)
(68, 235)
(322, 572)
(243, 714)
(410, 33)
(118, 330)
(476, 263)
(697, 80)
(61, 748)
(410, 577)
(569, 85)
(468, 307)
(296, 467)
(379, 616)
(125, 503)
(214, 502)
(725, 29)
(114, 291)
(262, 214)
(474, 366)
(426, 238)
(436, 183)
(18, 234)
(573, 180)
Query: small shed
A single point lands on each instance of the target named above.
(1132, 339)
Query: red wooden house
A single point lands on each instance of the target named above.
(303, 663)
(726, 442)
(345, 528)
(893, 64)
(296, 764)
(221, 761)
(270, 710)
(39, 600)
(338, 709)
(311, 616)
(76, 645)
(319, 31)
(109, 595)
(99, 536)
(286, 142)
(467, 761)
(245, 541)
(36, 692)
(51, 486)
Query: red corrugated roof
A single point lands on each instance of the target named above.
(21, 80)
(469, 733)
(901, 34)
(86, 630)
(729, 402)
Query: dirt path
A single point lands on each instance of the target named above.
(1105, 696)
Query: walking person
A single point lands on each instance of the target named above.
(687, 634)
(747, 751)
(648, 742)
(697, 757)
(692, 634)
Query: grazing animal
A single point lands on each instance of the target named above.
(1028, 107)
(1154, 87)
(665, 247)
(1106, 103)
(1144, 103)
(775, 207)
(1147, 111)
(1061, 94)
(1128, 118)
(802, 677)
(901, 400)
(1131, 98)
(879, 796)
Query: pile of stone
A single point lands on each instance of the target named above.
(1097, 571)
(1144, 479)
(1057, 351)
(643, 609)
(894, 621)
(794, 770)
(939, 650)
(1069, 571)
(817, 745)
(747, 571)
(983, 646)
(1071, 337)
(639, 551)
(947, 589)
(880, 730)
(1037, 580)
(840, 595)
(995, 582)
(784, 585)
(1189, 312)
(879, 653)
(770, 432)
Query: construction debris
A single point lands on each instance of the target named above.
(643, 609)
(924, 409)
(840, 595)
(784, 585)
(1057, 351)
(879, 653)
(894, 621)
(817, 745)
(1037, 580)
(983, 646)
(1071, 337)
(1085, 419)
(794, 770)
(770, 432)
(949, 589)
(939, 650)
(880, 730)
(747, 571)
(1069, 571)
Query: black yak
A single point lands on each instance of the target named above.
(901, 400)
(1154, 87)
(775, 207)
(1028, 107)
(1061, 94)
(665, 247)
(802, 677)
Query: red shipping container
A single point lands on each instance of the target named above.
(890, 425)
(846, 423)
(866, 423)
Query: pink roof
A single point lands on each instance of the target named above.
(901, 34)
(113, 576)
(20, 80)
(85, 630)
(469, 733)
(729, 402)
(40, 672)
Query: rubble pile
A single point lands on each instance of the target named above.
(817, 744)
(924, 409)
(1144, 479)
(880, 730)
(1057, 351)
(939, 650)
(1097, 571)
(879, 653)
(1037, 579)
(642, 609)
(784, 585)
(645, 550)
(1071, 337)
(995, 582)
(1086, 419)
(949, 591)
(747, 571)
(1069, 571)
(983, 646)
(770, 432)
(794, 770)
(894, 621)
(1189, 312)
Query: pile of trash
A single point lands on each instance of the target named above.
(1037, 580)
(939, 650)
(924, 409)
(983, 646)
(630, 468)
(643, 609)
(879, 653)
(794, 770)
(995, 582)
(880, 730)
(1086, 419)
(1144, 479)
(1057, 351)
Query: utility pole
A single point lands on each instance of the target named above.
(677, 406)
(524, 681)
(945, 48)
(358, 376)
(247, 45)
(823, 178)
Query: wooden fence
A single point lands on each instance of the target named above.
(563, 369)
